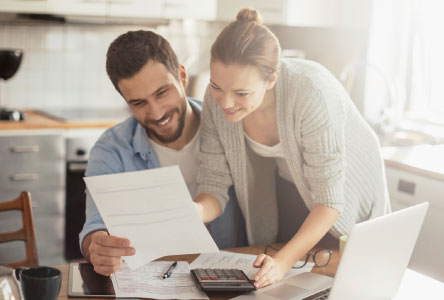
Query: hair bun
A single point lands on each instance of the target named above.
(248, 14)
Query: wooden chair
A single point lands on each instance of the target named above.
(26, 234)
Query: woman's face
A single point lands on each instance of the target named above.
(238, 89)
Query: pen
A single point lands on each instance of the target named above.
(170, 270)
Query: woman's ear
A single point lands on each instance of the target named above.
(183, 76)
(273, 80)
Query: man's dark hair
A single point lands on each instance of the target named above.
(132, 50)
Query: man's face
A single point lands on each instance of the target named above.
(157, 100)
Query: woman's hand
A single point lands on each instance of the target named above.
(271, 270)
(208, 207)
(315, 226)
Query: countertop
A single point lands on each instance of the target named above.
(426, 160)
(37, 120)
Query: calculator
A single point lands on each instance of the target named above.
(222, 280)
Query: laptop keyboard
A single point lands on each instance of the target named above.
(322, 295)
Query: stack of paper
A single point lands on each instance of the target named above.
(147, 282)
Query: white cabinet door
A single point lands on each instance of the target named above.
(272, 12)
(196, 9)
(136, 8)
(80, 7)
(407, 189)
(25, 6)
(62, 7)
(143, 9)
(311, 13)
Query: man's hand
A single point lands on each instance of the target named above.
(105, 252)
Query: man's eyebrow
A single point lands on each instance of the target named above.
(135, 100)
(154, 93)
(160, 89)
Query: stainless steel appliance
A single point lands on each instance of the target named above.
(78, 147)
(34, 160)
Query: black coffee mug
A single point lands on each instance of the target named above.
(40, 283)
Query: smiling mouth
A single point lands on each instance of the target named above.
(165, 121)
(231, 111)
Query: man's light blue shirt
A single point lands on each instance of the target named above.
(125, 148)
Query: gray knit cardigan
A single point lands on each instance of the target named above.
(332, 153)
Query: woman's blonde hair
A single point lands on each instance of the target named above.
(247, 42)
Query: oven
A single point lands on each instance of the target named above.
(78, 146)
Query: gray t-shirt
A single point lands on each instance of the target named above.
(186, 158)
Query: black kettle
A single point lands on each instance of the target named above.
(10, 60)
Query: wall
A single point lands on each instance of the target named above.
(64, 64)
(335, 48)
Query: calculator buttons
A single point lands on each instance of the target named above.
(223, 280)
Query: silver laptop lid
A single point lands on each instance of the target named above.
(376, 255)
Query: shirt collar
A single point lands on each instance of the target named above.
(141, 144)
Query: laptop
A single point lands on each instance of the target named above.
(371, 267)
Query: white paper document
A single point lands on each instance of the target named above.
(147, 282)
(154, 210)
(244, 262)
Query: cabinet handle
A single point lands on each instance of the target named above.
(407, 187)
(25, 149)
(94, 1)
(25, 177)
(175, 5)
(77, 167)
(122, 2)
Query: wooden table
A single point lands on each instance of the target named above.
(329, 270)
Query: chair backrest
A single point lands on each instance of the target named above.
(26, 234)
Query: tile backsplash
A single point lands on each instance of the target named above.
(63, 65)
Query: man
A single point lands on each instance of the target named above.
(163, 131)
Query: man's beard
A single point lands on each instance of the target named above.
(173, 137)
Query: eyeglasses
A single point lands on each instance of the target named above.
(320, 257)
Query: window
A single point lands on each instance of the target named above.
(407, 43)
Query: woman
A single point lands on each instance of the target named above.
(296, 113)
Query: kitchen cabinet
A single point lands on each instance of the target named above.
(60, 7)
(306, 13)
(80, 7)
(141, 9)
(25, 6)
(197, 9)
(34, 162)
(135, 8)
(410, 181)
(272, 12)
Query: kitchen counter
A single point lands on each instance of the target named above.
(423, 160)
(37, 120)
(420, 159)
